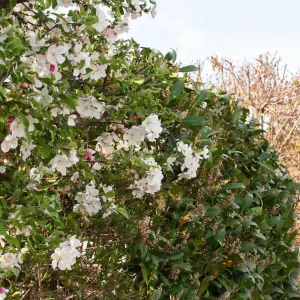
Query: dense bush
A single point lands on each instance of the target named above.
(121, 180)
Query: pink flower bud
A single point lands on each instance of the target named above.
(25, 85)
(52, 68)
(10, 120)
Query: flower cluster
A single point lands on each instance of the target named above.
(88, 203)
(18, 131)
(150, 129)
(149, 184)
(90, 107)
(62, 162)
(192, 160)
(64, 257)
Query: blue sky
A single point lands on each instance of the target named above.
(235, 29)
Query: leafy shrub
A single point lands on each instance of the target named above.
(121, 180)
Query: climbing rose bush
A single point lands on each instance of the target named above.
(121, 178)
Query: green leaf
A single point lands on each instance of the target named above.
(171, 56)
(245, 202)
(194, 121)
(258, 235)
(211, 212)
(110, 194)
(189, 68)
(202, 96)
(71, 101)
(203, 286)
(156, 295)
(177, 89)
(233, 186)
(123, 211)
(183, 266)
(241, 269)
(48, 3)
(54, 3)
(12, 3)
(237, 114)
(267, 167)
(145, 273)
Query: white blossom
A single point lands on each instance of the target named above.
(10, 261)
(9, 142)
(64, 257)
(152, 125)
(135, 136)
(61, 163)
(17, 128)
(71, 120)
(149, 184)
(88, 203)
(26, 149)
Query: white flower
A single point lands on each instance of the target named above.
(9, 261)
(88, 202)
(205, 152)
(31, 123)
(64, 257)
(71, 120)
(55, 33)
(106, 143)
(10, 142)
(153, 127)
(17, 128)
(65, 3)
(135, 136)
(26, 230)
(61, 163)
(97, 167)
(185, 149)
(192, 160)
(98, 71)
(26, 149)
(2, 169)
(75, 177)
(54, 54)
(170, 162)
(150, 184)
(44, 98)
(73, 156)
(102, 21)
(88, 106)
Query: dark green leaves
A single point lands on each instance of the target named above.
(177, 88)
(12, 3)
(171, 56)
(194, 121)
(233, 186)
(189, 68)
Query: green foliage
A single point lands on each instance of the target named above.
(225, 233)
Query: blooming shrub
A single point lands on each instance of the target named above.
(121, 180)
